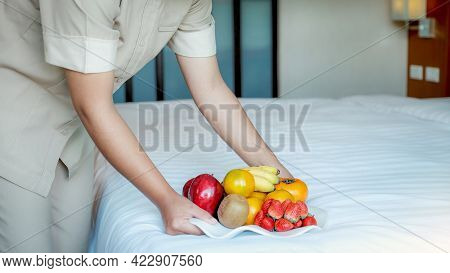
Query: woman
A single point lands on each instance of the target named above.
(59, 65)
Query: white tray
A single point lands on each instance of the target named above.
(218, 231)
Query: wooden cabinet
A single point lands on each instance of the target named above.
(432, 52)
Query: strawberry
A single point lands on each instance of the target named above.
(258, 218)
(275, 210)
(267, 223)
(303, 209)
(283, 225)
(265, 206)
(285, 204)
(298, 224)
(293, 212)
(309, 221)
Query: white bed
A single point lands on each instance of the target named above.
(380, 167)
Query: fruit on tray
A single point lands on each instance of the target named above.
(259, 195)
(265, 206)
(309, 221)
(298, 224)
(253, 196)
(261, 171)
(187, 186)
(267, 223)
(239, 182)
(233, 211)
(205, 191)
(294, 186)
(285, 204)
(280, 195)
(269, 169)
(283, 216)
(262, 185)
(295, 211)
(254, 206)
(259, 217)
(283, 225)
(275, 210)
(265, 177)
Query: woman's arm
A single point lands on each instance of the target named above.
(210, 91)
(92, 99)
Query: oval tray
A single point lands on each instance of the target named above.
(218, 231)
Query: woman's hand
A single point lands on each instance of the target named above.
(210, 92)
(176, 213)
(284, 173)
(91, 97)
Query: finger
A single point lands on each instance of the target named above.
(203, 215)
(173, 232)
(189, 228)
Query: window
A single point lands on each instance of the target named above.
(246, 36)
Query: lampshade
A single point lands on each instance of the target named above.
(408, 10)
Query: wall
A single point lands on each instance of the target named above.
(322, 49)
(432, 52)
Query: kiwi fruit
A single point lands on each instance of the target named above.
(233, 211)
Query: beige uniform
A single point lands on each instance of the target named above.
(46, 163)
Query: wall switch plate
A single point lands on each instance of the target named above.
(432, 74)
(416, 72)
(427, 28)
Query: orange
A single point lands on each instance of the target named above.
(294, 186)
(254, 206)
(257, 194)
(239, 182)
(280, 195)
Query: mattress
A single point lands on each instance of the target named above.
(378, 165)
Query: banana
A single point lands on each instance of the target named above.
(262, 185)
(272, 178)
(270, 169)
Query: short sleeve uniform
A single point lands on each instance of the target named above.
(41, 37)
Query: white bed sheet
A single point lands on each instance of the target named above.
(379, 166)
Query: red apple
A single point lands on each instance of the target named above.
(205, 191)
(187, 186)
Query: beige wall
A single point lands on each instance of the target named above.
(315, 35)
